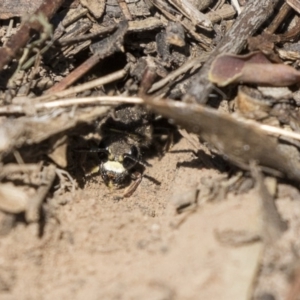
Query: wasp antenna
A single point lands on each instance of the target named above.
(91, 150)
(138, 161)
(145, 163)
(82, 149)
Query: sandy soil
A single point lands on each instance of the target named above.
(95, 247)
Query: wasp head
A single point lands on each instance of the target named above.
(118, 156)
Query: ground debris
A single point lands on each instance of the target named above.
(109, 160)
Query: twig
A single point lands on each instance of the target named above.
(190, 11)
(204, 41)
(85, 37)
(292, 34)
(277, 131)
(125, 10)
(236, 5)
(106, 48)
(103, 100)
(62, 185)
(223, 13)
(85, 86)
(273, 225)
(19, 40)
(193, 63)
(112, 100)
(16, 168)
(280, 17)
(294, 4)
(26, 131)
(251, 18)
(32, 213)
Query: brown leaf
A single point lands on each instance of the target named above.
(251, 68)
(238, 141)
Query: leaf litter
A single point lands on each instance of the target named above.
(214, 213)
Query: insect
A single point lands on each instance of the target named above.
(125, 133)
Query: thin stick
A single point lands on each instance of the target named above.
(108, 46)
(125, 10)
(19, 40)
(85, 37)
(278, 131)
(281, 16)
(85, 86)
(75, 74)
(32, 213)
(103, 100)
(193, 63)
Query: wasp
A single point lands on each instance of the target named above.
(125, 133)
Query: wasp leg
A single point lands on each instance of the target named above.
(137, 179)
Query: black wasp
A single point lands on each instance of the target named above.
(125, 132)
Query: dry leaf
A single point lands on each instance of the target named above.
(238, 141)
(251, 68)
